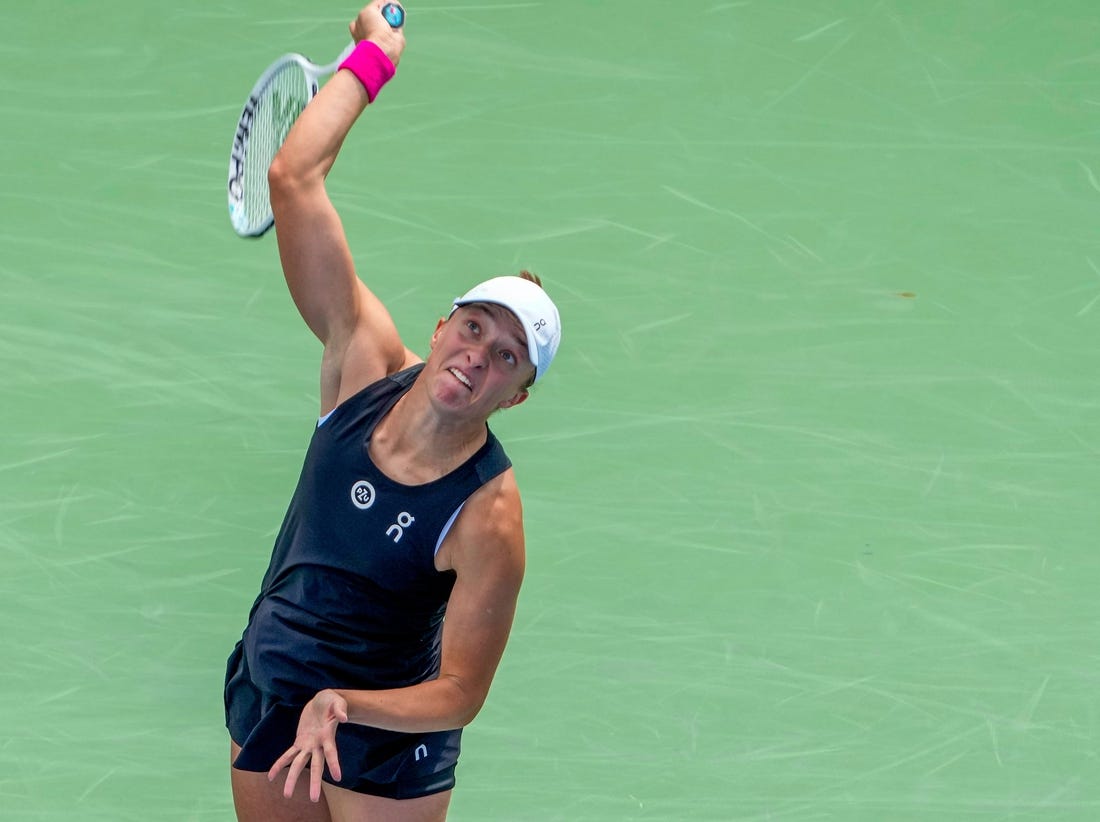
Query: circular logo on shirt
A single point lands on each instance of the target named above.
(362, 495)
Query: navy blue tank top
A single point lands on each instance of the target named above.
(352, 598)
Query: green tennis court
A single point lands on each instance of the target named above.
(811, 493)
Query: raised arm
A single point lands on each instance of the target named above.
(361, 342)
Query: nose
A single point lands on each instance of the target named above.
(478, 356)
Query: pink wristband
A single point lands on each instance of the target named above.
(371, 67)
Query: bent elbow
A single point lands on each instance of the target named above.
(467, 703)
(470, 713)
(466, 709)
(291, 183)
(281, 178)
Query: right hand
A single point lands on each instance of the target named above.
(369, 24)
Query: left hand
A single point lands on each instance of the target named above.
(314, 745)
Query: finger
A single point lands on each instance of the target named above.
(281, 763)
(333, 760)
(293, 774)
(316, 767)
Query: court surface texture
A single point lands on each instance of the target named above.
(810, 493)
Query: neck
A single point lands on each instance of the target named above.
(414, 444)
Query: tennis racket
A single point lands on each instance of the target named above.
(274, 103)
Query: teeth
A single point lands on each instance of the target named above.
(460, 377)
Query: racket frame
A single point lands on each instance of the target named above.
(242, 136)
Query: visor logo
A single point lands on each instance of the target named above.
(362, 495)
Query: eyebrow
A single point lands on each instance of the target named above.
(502, 315)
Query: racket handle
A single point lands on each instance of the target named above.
(394, 14)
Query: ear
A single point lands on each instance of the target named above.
(435, 334)
(516, 399)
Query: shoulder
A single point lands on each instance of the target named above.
(488, 533)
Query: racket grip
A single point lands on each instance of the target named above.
(394, 14)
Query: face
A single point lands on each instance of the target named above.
(479, 359)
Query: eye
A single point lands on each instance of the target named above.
(508, 357)
(473, 326)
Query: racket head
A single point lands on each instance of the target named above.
(273, 105)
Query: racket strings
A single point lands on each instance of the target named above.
(274, 110)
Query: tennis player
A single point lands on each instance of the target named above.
(346, 695)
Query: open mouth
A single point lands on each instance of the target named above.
(462, 378)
